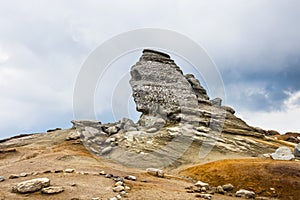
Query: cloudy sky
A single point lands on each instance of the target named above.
(43, 44)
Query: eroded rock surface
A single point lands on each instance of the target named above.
(176, 114)
(31, 185)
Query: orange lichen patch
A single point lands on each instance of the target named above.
(78, 150)
(258, 175)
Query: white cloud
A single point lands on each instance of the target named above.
(3, 56)
(283, 121)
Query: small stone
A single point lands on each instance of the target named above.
(108, 175)
(245, 193)
(58, 171)
(118, 196)
(156, 172)
(35, 173)
(228, 187)
(106, 150)
(113, 198)
(123, 193)
(2, 178)
(73, 135)
(102, 173)
(220, 190)
(31, 185)
(52, 190)
(118, 189)
(119, 183)
(132, 178)
(69, 170)
(203, 189)
(116, 179)
(283, 153)
(47, 172)
(127, 188)
(13, 176)
(202, 184)
(204, 196)
(266, 155)
(23, 174)
(151, 130)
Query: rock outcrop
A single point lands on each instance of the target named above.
(176, 114)
(161, 90)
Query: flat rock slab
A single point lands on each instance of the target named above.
(52, 190)
(31, 185)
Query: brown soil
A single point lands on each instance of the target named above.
(258, 175)
(44, 153)
(48, 152)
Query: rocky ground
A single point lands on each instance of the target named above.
(50, 155)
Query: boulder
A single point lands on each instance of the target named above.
(118, 188)
(156, 172)
(283, 153)
(130, 177)
(2, 178)
(297, 150)
(220, 190)
(202, 184)
(31, 185)
(245, 193)
(228, 187)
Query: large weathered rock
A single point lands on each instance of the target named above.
(176, 114)
(159, 86)
(31, 185)
(283, 153)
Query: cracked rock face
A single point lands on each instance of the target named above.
(160, 88)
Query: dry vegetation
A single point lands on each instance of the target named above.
(258, 175)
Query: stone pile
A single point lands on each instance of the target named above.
(205, 191)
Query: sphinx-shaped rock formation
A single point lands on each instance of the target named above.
(176, 115)
(161, 90)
